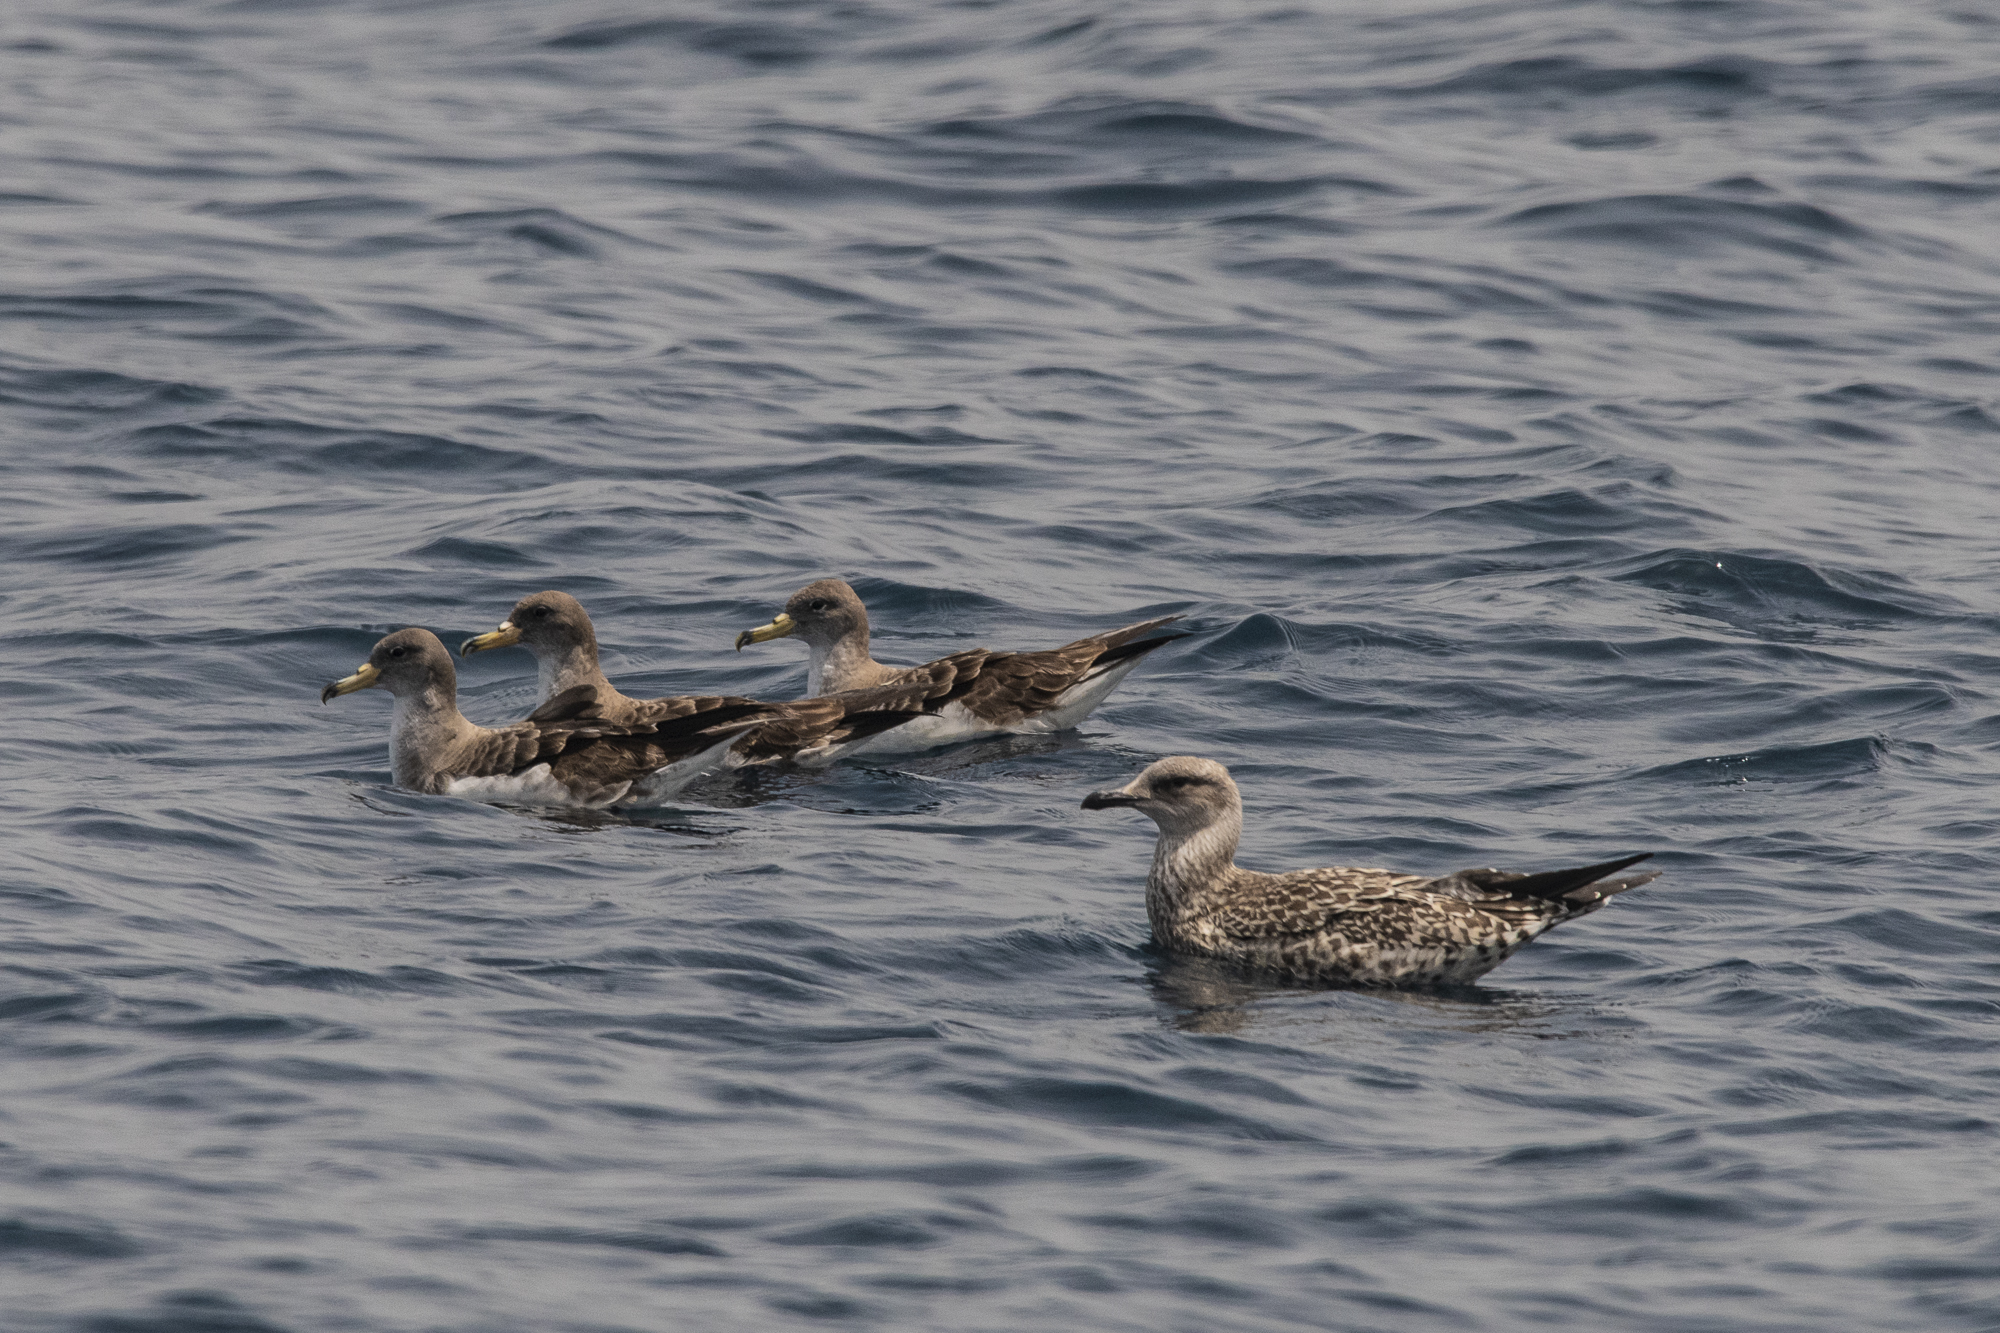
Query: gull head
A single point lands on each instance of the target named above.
(1181, 794)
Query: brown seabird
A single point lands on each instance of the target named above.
(558, 756)
(1338, 924)
(557, 630)
(973, 693)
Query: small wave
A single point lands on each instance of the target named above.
(1123, 125)
(305, 447)
(1772, 591)
(398, 980)
(188, 303)
(1732, 76)
(151, 546)
(1185, 196)
(98, 391)
(1261, 636)
(644, 1242)
(758, 44)
(1090, 1102)
(549, 230)
(63, 1236)
(1558, 512)
(867, 1231)
(1692, 225)
(318, 206)
(1825, 761)
(1486, 292)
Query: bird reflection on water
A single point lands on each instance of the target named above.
(1203, 995)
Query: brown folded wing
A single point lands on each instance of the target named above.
(788, 728)
(1008, 688)
(589, 753)
(1399, 918)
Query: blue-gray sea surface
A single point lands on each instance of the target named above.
(1572, 428)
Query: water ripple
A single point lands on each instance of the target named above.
(1562, 438)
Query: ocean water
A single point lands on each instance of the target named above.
(1571, 428)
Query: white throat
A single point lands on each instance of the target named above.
(556, 672)
(844, 665)
(423, 725)
(548, 674)
(815, 669)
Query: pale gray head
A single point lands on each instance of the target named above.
(547, 624)
(1182, 794)
(408, 663)
(822, 613)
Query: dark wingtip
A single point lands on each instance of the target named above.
(1604, 886)
(1137, 648)
(1575, 884)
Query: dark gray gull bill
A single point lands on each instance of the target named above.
(557, 757)
(973, 693)
(1338, 924)
(557, 630)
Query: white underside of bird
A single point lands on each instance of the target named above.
(538, 786)
(955, 722)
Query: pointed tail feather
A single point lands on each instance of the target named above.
(1581, 884)
(1125, 652)
(1119, 638)
(1604, 888)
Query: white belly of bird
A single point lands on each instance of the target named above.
(954, 722)
(539, 786)
(531, 786)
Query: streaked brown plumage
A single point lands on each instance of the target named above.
(561, 755)
(1337, 924)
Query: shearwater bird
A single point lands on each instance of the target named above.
(1338, 924)
(557, 630)
(556, 757)
(973, 693)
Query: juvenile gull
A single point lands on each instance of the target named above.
(973, 693)
(557, 630)
(558, 756)
(1339, 924)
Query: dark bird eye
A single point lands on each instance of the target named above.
(541, 613)
(398, 652)
(816, 604)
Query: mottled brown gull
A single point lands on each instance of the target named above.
(973, 693)
(1337, 924)
(558, 756)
